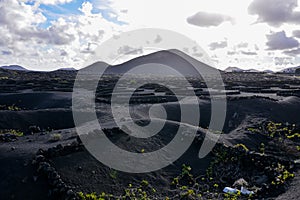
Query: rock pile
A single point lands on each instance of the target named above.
(58, 188)
(8, 137)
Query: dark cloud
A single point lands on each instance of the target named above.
(242, 45)
(275, 12)
(5, 53)
(279, 41)
(249, 53)
(185, 49)
(124, 11)
(218, 45)
(293, 52)
(127, 50)
(205, 19)
(63, 53)
(283, 60)
(54, 35)
(231, 53)
(158, 39)
(197, 54)
(195, 49)
(296, 33)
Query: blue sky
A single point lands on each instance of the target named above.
(53, 12)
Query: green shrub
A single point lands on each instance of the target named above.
(13, 132)
(55, 137)
(242, 146)
(113, 174)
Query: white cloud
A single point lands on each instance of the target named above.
(249, 53)
(130, 50)
(18, 15)
(70, 39)
(275, 12)
(205, 19)
(67, 42)
(53, 2)
(86, 8)
(218, 45)
(242, 45)
(172, 15)
(293, 52)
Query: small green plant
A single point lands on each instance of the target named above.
(241, 146)
(3, 78)
(13, 108)
(13, 132)
(186, 170)
(262, 148)
(113, 174)
(94, 196)
(10, 108)
(278, 130)
(232, 196)
(283, 175)
(145, 183)
(17, 133)
(253, 130)
(189, 193)
(132, 82)
(142, 192)
(55, 137)
(295, 135)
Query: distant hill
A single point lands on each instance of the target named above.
(290, 70)
(176, 59)
(251, 70)
(14, 67)
(233, 69)
(66, 69)
(268, 71)
(236, 69)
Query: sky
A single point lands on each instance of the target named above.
(249, 34)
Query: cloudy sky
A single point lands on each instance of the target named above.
(51, 34)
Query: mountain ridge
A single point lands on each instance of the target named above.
(14, 67)
(179, 61)
(157, 57)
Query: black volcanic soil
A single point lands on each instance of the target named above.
(17, 174)
(39, 104)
